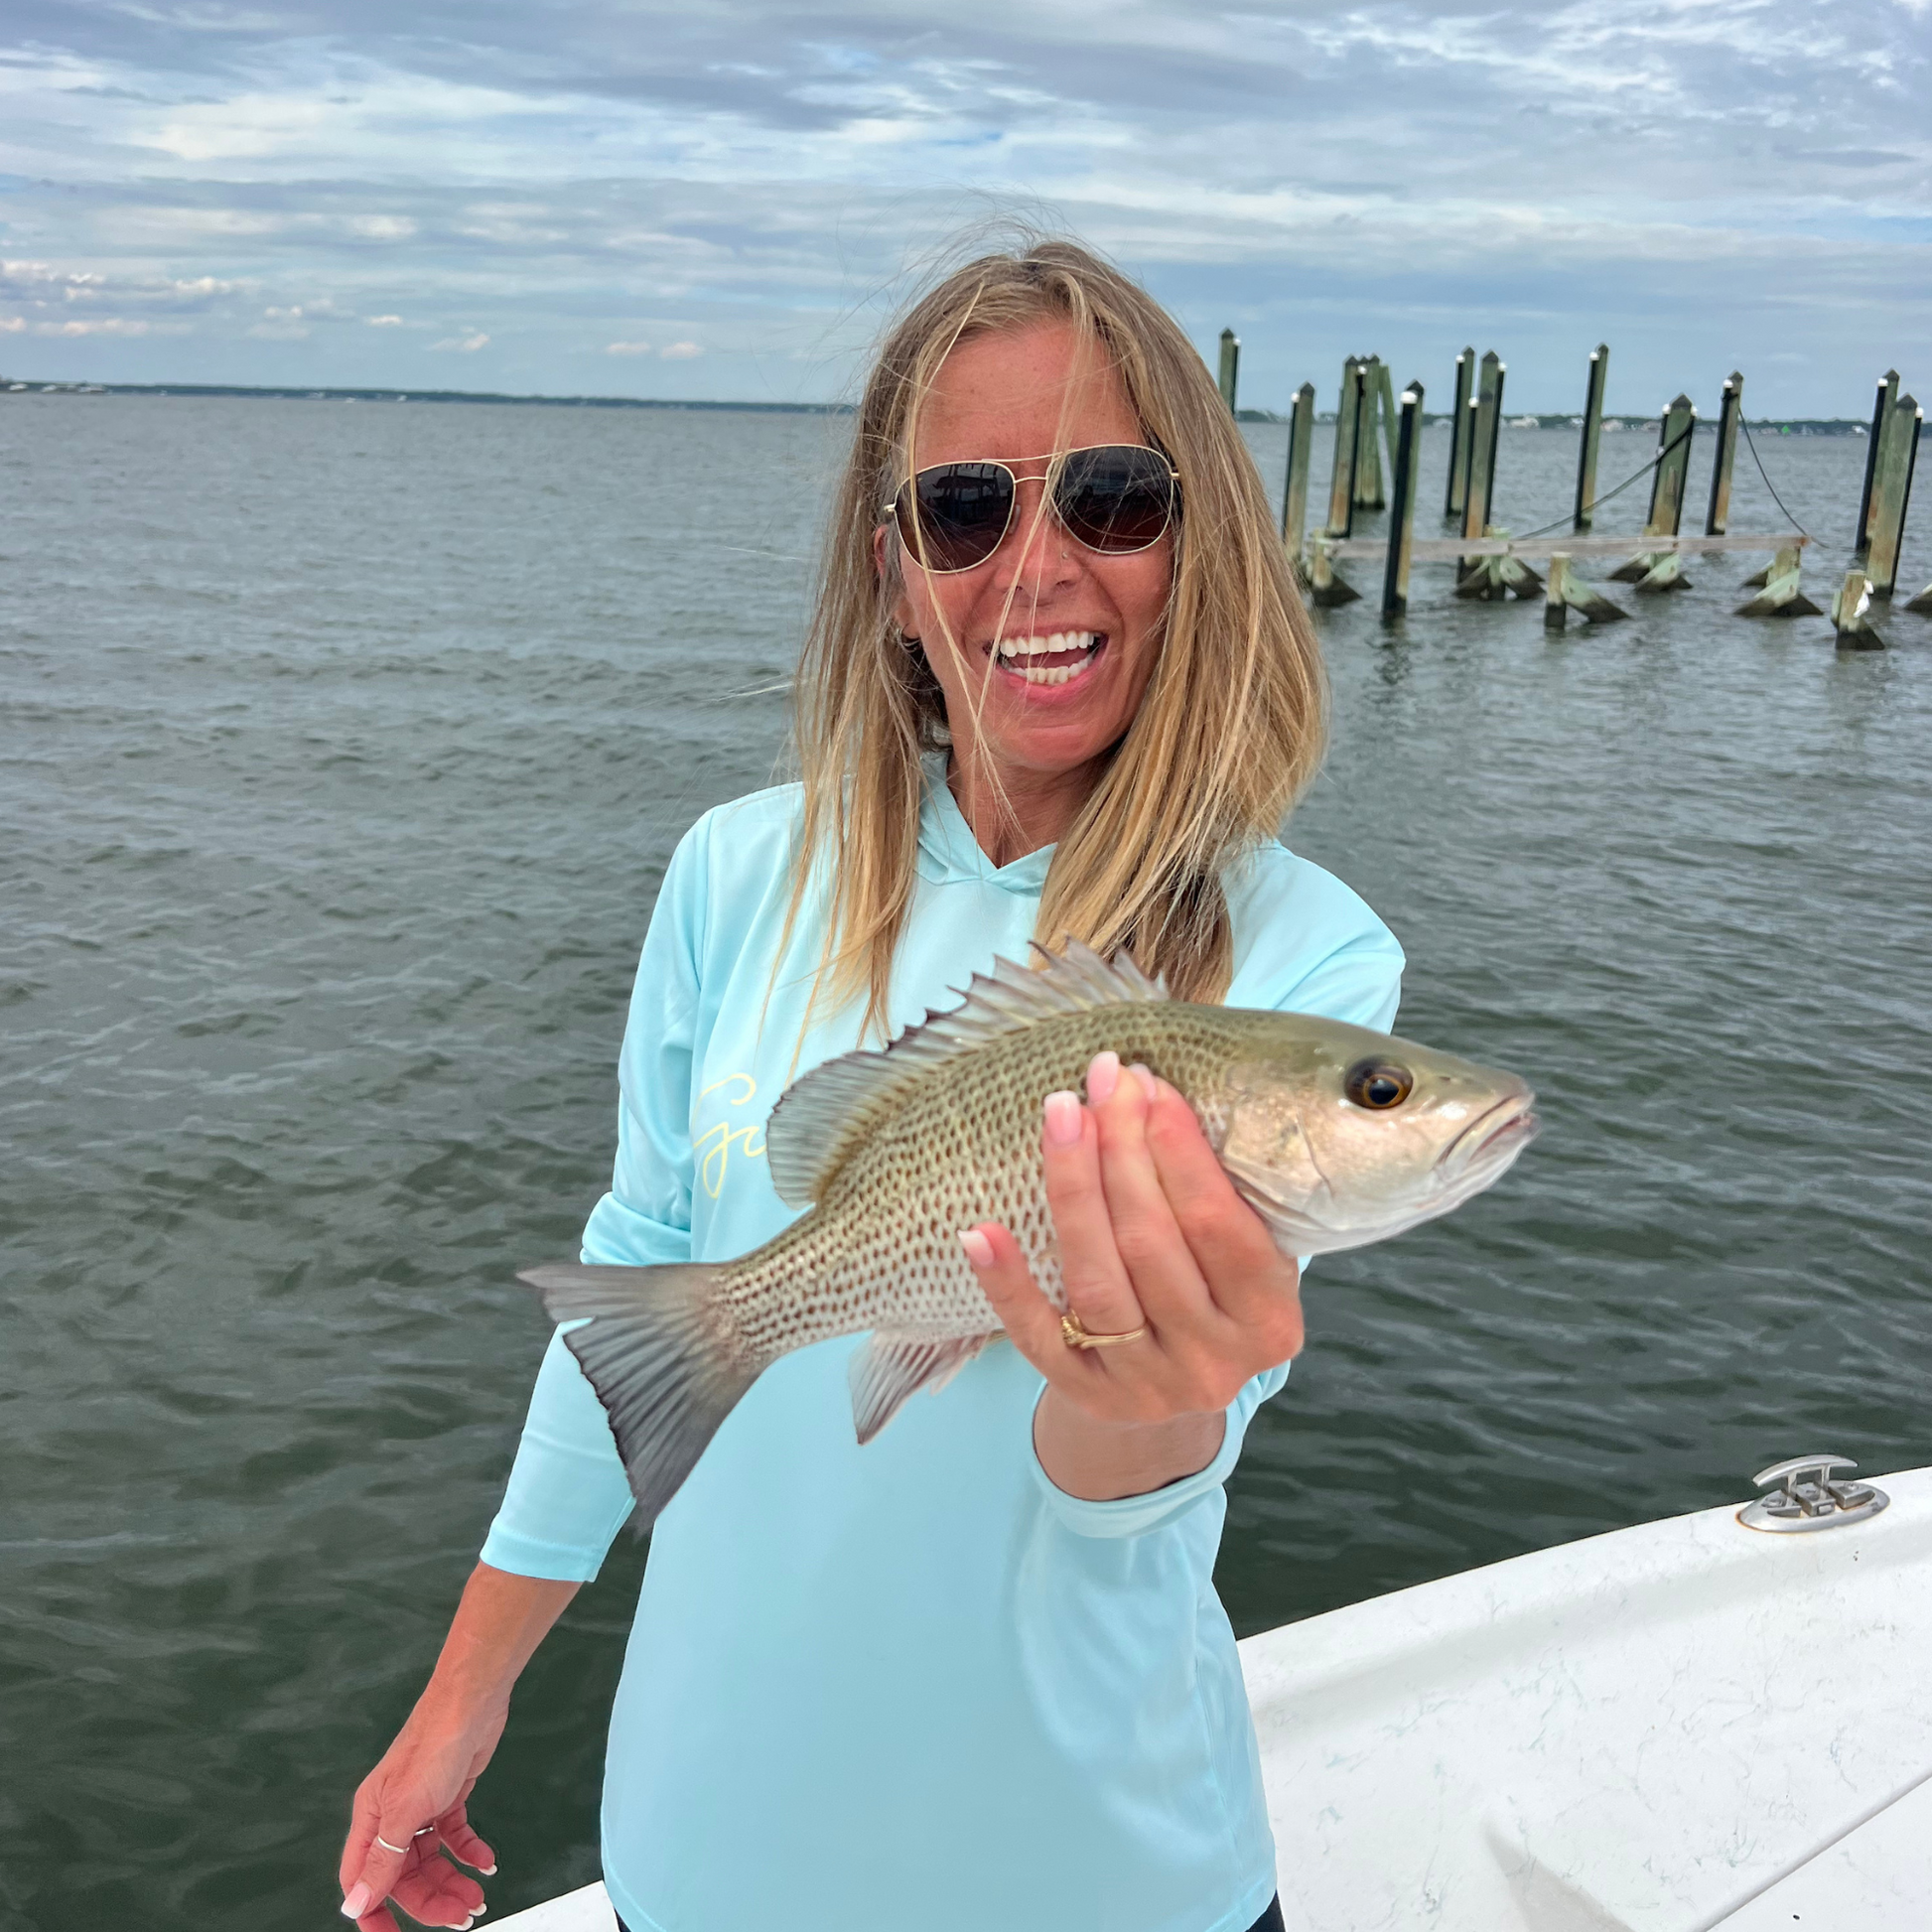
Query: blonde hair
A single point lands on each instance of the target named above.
(1230, 732)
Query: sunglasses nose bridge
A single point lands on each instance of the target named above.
(1037, 544)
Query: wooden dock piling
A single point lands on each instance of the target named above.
(1459, 468)
(1402, 513)
(1230, 366)
(1488, 577)
(1673, 472)
(1485, 426)
(1664, 571)
(1294, 491)
(1779, 595)
(1466, 456)
(1490, 396)
(1891, 491)
(1880, 410)
(1368, 452)
(1341, 484)
(1599, 369)
(1564, 592)
(1325, 589)
(1556, 605)
(1851, 617)
(1731, 407)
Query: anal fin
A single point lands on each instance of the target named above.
(888, 1367)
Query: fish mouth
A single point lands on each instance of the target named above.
(1492, 1140)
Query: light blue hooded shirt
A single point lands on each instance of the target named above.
(914, 1684)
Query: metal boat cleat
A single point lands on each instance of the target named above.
(1807, 1497)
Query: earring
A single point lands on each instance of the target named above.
(907, 641)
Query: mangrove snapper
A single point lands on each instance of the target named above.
(1335, 1134)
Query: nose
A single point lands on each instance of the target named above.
(1037, 558)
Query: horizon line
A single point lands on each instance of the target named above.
(301, 393)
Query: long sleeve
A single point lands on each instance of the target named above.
(1359, 980)
(567, 1497)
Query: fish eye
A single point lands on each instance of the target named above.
(1378, 1085)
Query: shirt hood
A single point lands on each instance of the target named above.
(950, 854)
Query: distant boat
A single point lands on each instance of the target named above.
(1688, 1724)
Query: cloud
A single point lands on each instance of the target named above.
(626, 349)
(281, 325)
(758, 179)
(96, 325)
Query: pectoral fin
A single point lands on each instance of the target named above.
(888, 1367)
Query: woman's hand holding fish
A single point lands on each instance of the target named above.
(1151, 1234)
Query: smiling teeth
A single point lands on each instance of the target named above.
(1021, 654)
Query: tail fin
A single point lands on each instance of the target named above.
(660, 1356)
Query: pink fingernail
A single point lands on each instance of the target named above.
(1064, 1112)
(358, 1902)
(1103, 1076)
(979, 1250)
(1145, 1076)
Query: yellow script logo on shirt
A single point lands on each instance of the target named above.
(714, 1146)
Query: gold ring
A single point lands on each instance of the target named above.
(1074, 1334)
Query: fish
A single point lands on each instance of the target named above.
(1335, 1134)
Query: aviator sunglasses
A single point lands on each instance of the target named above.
(1115, 498)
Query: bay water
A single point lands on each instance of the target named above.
(342, 749)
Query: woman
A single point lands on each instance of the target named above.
(973, 1675)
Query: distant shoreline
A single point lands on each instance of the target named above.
(11, 385)
(1547, 419)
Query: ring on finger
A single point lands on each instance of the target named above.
(1074, 1332)
(399, 1850)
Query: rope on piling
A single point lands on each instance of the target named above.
(1775, 497)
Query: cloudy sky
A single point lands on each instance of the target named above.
(722, 200)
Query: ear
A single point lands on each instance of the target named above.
(902, 612)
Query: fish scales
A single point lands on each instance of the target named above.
(881, 1249)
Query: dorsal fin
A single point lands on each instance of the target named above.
(821, 1116)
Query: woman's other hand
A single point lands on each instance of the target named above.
(1153, 1234)
(417, 1796)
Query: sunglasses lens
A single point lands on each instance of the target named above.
(962, 510)
(1116, 498)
